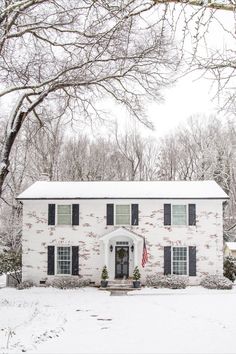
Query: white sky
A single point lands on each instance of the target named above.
(191, 95)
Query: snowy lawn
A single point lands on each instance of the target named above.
(45, 320)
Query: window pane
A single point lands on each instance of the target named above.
(123, 214)
(122, 219)
(179, 268)
(64, 214)
(180, 253)
(64, 209)
(179, 209)
(64, 219)
(63, 260)
(179, 214)
(122, 209)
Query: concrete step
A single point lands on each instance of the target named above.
(120, 282)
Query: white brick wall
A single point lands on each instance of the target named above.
(207, 236)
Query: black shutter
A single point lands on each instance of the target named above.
(192, 214)
(75, 260)
(51, 214)
(192, 261)
(75, 214)
(51, 260)
(167, 260)
(110, 214)
(134, 212)
(167, 214)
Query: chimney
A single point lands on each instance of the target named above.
(44, 177)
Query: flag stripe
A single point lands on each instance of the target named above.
(145, 254)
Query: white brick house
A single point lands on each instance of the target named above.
(75, 228)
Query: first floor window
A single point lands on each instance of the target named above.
(64, 215)
(179, 214)
(179, 260)
(63, 260)
(123, 215)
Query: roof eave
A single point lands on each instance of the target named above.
(92, 198)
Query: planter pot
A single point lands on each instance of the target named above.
(136, 284)
(104, 283)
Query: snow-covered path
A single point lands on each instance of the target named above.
(43, 320)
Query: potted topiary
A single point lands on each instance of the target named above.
(104, 277)
(136, 277)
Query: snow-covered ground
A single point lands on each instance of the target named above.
(45, 320)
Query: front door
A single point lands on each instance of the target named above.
(122, 262)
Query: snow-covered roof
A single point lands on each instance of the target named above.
(124, 190)
(231, 245)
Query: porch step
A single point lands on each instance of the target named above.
(120, 282)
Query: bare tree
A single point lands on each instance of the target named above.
(77, 52)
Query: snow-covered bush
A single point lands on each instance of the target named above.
(10, 263)
(167, 281)
(216, 281)
(68, 283)
(25, 285)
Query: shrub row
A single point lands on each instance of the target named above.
(60, 283)
(180, 282)
(155, 280)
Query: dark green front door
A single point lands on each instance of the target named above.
(122, 262)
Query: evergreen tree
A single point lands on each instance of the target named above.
(136, 273)
(230, 268)
(104, 274)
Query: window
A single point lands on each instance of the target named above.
(180, 260)
(179, 214)
(64, 214)
(122, 215)
(63, 260)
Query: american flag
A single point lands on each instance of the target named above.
(145, 254)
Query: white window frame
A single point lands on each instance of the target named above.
(57, 215)
(130, 211)
(187, 212)
(172, 260)
(59, 274)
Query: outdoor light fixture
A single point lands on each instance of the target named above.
(132, 248)
(111, 248)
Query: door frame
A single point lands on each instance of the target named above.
(127, 247)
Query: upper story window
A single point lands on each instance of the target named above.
(64, 215)
(122, 214)
(180, 214)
